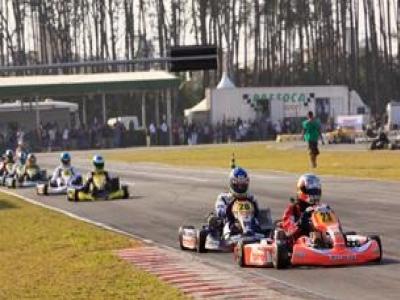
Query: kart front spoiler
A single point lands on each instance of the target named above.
(258, 254)
(340, 255)
(46, 189)
(190, 236)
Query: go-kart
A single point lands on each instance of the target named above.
(327, 245)
(212, 236)
(109, 191)
(8, 170)
(60, 186)
(30, 179)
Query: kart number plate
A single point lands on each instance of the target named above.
(325, 217)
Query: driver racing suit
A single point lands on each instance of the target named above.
(295, 220)
(63, 175)
(30, 172)
(223, 207)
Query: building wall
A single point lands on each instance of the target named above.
(283, 102)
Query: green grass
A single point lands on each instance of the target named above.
(46, 255)
(365, 164)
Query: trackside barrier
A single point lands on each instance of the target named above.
(282, 138)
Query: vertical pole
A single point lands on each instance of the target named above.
(37, 113)
(144, 123)
(157, 109)
(103, 101)
(84, 111)
(169, 116)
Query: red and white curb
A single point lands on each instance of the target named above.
(196, 279)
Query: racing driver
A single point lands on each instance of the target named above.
(238, 191)
(65, 170)
(295, 221)
(99, 181)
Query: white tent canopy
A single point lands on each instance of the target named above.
(225, 82)
(202, 106)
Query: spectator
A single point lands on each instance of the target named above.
(52, 138)
(164, 133)
(65, 138)
(153, 134)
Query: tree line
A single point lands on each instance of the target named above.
(261, 42)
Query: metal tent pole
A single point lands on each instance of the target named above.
(169, 116)
(144, 123)
(103, 102)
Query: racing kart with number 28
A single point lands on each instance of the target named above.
(332, 247)
(211, 236)
(61, 185)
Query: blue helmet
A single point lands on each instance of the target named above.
(65, 158)
(22, 157)
(238, 182)
(98, 162)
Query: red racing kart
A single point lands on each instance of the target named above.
(327, 245)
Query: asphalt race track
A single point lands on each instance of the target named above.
(163, 198)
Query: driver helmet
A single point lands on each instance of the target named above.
(31, 159)
(309, 189)
(9, 155)
(65, 158)
(239, 182)
(22, 157)
(98, 162)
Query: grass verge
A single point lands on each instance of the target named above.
(365, 164)
(45, 255)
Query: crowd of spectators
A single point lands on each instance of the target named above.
(237, 130)
(52, 136)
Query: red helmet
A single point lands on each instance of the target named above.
(309, 189)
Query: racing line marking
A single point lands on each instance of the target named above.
(194, 278)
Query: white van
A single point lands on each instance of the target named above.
(126, 120)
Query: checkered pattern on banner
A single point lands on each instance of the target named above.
(247, 99)
(310, 98)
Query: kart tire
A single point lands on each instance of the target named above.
(125, 191)
(181, 236)
(239, 254)
(378, 240)
(201, 241)
(46, 189)
(280, 258)
(13, 184)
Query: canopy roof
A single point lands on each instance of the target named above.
(64, 85)
(202, 106)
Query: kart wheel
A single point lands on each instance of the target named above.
(280, 258)
(45, 189)
(201, 241)
(13, 184)
(125, 192)
(378, 240)
(181, 236)
(239, 254)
